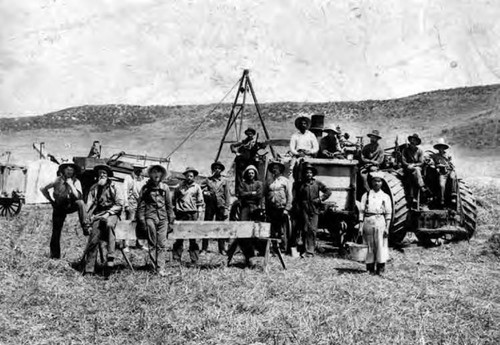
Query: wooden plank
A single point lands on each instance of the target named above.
(219, 229)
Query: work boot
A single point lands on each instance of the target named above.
(370, 268)
(380, 269)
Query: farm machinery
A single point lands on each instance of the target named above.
(423, 217)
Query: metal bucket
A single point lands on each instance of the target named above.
(356, 252)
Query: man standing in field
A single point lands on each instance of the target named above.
(105, 203)
(372, 156)
(309, 201)
(188, 204)
(133, 185)
(217, 201)
(155, 214)
(67, 192)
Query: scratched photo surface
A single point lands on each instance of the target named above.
(157, 79)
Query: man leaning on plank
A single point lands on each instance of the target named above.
(155, 214)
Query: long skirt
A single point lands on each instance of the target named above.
(373, 237)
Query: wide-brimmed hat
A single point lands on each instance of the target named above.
(301, 118)
(308, 166)
(190, 169)
(218, 164)
(280, 165)
(251, 130)
(376, 175)
(63, 166)
(331, 128)
(251, 167)
(375, 133)
(441, 143)
(415, 135)
(103, 167)
(159, 167)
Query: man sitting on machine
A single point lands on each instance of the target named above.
(246, 152)
(372, 156)
(441, 161)
(329, 146)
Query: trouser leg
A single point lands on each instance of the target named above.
(194, 250)
(442, 186)
(58, 218)
(453, 182)
(82, 212)
(93, 247)
(110, 232)
(220, 215)
(310, 236)
(157, 238)
(364, 177)
(417, 177)
(177, 250)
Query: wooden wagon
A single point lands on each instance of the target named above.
(12, 188)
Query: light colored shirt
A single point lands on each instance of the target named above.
(307, 142)
(188, 197)
(379, 203)
(133, 185)
(279, 193)
(62, 191)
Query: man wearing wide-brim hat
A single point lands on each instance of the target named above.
(105, 203)
(441, 161)
(303, 142)
(412, 158)
(132, 188)
(155, 214)
(188, 205)
(67, 198)
(310, 195)
(246, 152)
(329, 146)
(372, 156)
(217, 201)
(278, 196)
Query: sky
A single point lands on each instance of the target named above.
(56, 54)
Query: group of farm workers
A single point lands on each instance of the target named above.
(147, 198)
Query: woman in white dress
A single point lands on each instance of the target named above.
(375, 219)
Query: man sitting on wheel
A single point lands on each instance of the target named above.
(441, 161)
(372, 156)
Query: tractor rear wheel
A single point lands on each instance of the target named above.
(467, 208)
(399, 221)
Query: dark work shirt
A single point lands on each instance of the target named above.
(330, 144)
(155, 203)
(412, 155)
(308, 196)
(250, 193)
(372, 152)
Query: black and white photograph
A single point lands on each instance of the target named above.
(250, 172)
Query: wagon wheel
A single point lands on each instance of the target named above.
(10, 207)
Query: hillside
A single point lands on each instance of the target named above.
(465, 116)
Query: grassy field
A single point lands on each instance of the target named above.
(442, 295)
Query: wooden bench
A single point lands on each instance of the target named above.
(125, 230)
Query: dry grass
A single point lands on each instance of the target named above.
(443, 295)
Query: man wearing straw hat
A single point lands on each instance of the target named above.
(329, 146)
(188, 204)
(413, 160)
(133, 185)
(155, 214)
(441, 161)
(310, 195)
(67, 192)
(374, 221)
(105, 203)
(372, 156)
(217, 201)
(278, 196)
